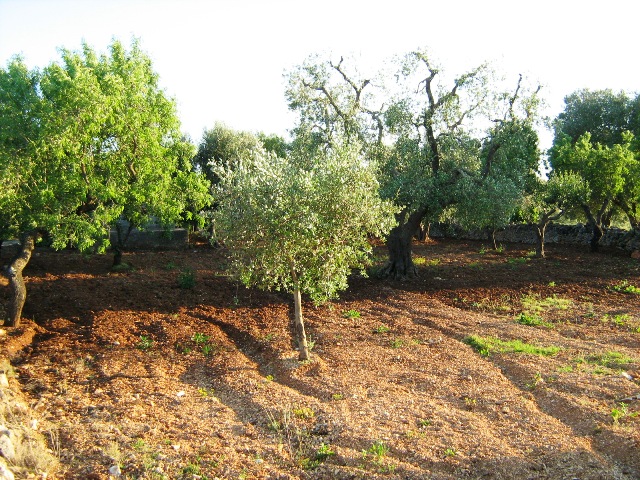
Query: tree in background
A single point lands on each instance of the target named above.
(550, 200)
(595, 137)
(84, 142)
(419, 131)
(300, 224)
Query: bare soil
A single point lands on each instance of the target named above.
(130, 369)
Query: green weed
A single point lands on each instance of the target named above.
(611, 359)
(625, 287)
(381, 329)
(533, 320)
(487, 345)
(200, 338)
(351, 314)
(145, 343)
(187, 279)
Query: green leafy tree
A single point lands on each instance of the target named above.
(223, 146)
(300, 224)
(84, 142)
(550, 200)
(609, 164)
(603, 168)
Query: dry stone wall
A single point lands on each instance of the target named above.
(628, 240)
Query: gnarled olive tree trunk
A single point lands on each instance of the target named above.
(13, 272)
(400, 264)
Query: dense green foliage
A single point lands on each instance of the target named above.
(595, 137)
(86, 141)
(300, 222)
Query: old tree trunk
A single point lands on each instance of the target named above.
(13, 272)
(400, 264)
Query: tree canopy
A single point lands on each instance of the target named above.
(420, 127)
(84, 142)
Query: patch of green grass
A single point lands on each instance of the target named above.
(396, 343)
(514, 262)
(625, 287)
(611, 359)
(488, 345)
(337, 397)
(533, 320)
(533, 303)
(351, 314)
(422, 261)
(475, 265)
(450, 452)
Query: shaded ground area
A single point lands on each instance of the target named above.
(180, 383)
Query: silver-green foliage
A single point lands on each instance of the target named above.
(300, 223)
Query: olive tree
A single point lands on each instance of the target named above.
(550, 200)
(300, 224)
(418, 125)
(84, 142)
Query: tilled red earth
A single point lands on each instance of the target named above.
(131, 370)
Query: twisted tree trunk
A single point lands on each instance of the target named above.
(13, 272)
(400, 264)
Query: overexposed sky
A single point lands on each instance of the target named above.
(223, 60)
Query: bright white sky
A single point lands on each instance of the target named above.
(223, 60)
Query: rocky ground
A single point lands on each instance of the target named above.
(173, 371)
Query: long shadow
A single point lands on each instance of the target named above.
(554, 404)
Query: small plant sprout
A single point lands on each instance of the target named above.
(187, 279)
(303, 413)
(396, 343)
(378, 450)
(208, 349)
(537, 380)
(381, 329)
(145, 343)
(337, 396)
(450, 452)
(200, 338)
(620, 412)
(353, 314)
(324, 451)
(470, 403)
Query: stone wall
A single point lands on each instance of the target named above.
(628, 240)
(176, 238)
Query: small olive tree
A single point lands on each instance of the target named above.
(300, 224)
